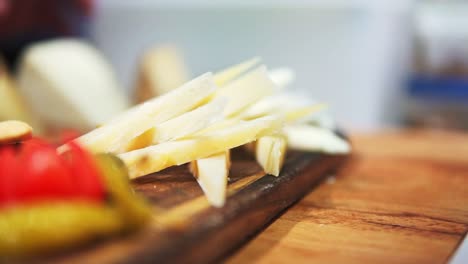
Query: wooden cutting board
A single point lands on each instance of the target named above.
(402, 197)
(186, 229)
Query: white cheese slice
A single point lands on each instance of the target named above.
(310, 138)
(155, 158)
(190, 122)
(280, 104)
(231, 73)
(270, 152)
(69, 84)
(297, 114)
(283, 77)
(246, 90)
(116, 135)
(184, 125)
(212, 176)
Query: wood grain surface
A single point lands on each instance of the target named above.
(401, 198)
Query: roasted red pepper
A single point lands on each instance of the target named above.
(51, 201)
(34, 171)
(84, 170)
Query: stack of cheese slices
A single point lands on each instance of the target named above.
(202, 120)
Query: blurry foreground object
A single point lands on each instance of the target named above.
(438, 88)
(162, 69)
(13, 131)
(69, 84)
(50, 201)
(23, 22)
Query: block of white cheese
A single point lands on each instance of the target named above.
(69, 84)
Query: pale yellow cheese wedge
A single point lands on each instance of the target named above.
(155, 158)
(162, 69)
(270, 152)
(246, 90)
(212, 176)
(311, 138)
(223, 77)
(116, 135)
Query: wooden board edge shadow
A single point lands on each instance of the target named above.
(245, 214)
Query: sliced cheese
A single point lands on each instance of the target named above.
(69, 84)
(283, 77)
(223, 124)
(231, 73)
(280, 104)
(295, 114)
(155, 158)
(212, 176)
(162, 69)
(181, 126)
(117, 134)
(190, 122)
(246, 90)
(270, 152)
(266, 105)
(310, 138)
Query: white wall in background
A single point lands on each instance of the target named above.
(351, 54)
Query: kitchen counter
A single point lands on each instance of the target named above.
(402, 197)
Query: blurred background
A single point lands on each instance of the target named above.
(351, 54)
(378, 64)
